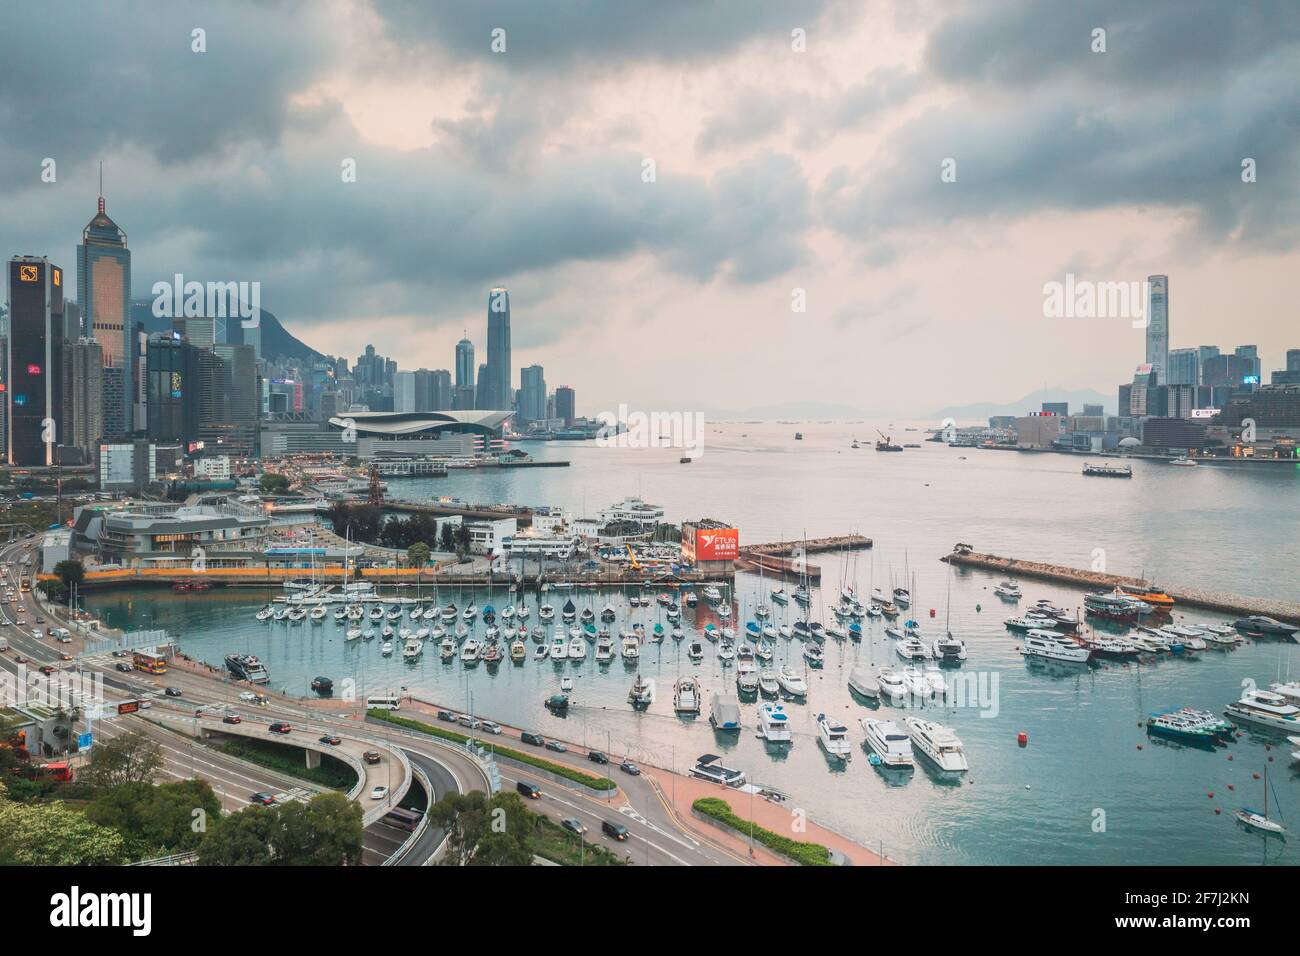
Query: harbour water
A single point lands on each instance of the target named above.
(1090, 786)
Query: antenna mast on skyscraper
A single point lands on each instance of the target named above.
(101, 185)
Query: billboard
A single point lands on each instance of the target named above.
(716, 544)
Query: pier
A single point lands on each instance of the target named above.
(788, 558)
(1061, 574)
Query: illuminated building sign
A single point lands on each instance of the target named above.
(33, 369)
(29, 273)
(1204, 412)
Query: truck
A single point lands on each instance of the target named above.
(4, 644)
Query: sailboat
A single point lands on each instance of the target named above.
(1261, 821)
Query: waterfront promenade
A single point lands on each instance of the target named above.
(1195, 597)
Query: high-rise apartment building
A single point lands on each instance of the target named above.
(83, 395)
(532, 394)
(565, 404)
(1184, 367)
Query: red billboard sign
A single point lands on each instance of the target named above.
(717, 544)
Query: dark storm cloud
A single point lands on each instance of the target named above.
(550, 32)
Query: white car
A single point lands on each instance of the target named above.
(247, 695)
(491, 727)
(378, 793)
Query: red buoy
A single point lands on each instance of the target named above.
(1022, 738)
(1217, 811)
(1210, 794)
(932, 612)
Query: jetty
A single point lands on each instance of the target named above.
(788, 558)
(1211, 600)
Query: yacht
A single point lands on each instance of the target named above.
(1261, 626)
(448, 648)
(395, 614)
(888, 742)
(569, 611)
(686, 696)
(724, 712)
(247, 667)
(518, 650)
(412, 649)
(577, 649)
(642, 693)
(605, 649)
(353, 633)
(724, 611)
(938, 743)
(1052, 647)
(812, 653)
(780, 597)
(469, 654)
(1009, 590)
(546, 613)
(559, 648)
(791, 681)
(774, 724)
(834, 737)
(902, 597)
(863, 683)
(726, 653)
(708, 768)
(695, 651)
(893, 685)
(449, 613)
(949, 649)
(469, 614)
(747, 677)
(768, 685)
(540, 652)
(1264, 708)
(508, 613)
(1289, 691)
(1184, 461)
(607, 614)
(377, 612)
(281, 613)
(386, 648)
(911, 649)
(631, 649)
(265, 613)
(297, 613)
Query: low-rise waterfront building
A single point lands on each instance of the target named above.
(536, 544)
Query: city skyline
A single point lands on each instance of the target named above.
(775, 171)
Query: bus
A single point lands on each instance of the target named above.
(403, 819)
(150, 662)
(389, 701)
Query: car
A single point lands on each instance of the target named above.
(615, 830)
(629, 767)
(530, 790)
(263, 799)
(20, 659)
(232, 719)
(173, 692)
(47, 669)
(557, 746)
(249, 696)
(491, 727)
(595, 756)
(447, 715)
(124, 667)
(378, 793)
(331, 739)
(371, 756)
(119, 653)
(528, 737)
(65, 657)
(465, 720)
(146, 704)
(573, 825)
(40, 620)
(280, 727)
(4, 622)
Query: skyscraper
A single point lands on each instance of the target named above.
(465, 364)
(532, 394)
(104, 295)
(565, 404)
(1184, 367)
(83, 402)
(1158, 326)
(35, 374)
(500, 390)
(1250, 354)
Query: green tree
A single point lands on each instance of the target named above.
(324, 832)
(130, 758)
(241, 839)
(49, 834)
(70, 572)
(447, 539)
(272, 483)
(158, 819)
(418, 555)
(482, 831)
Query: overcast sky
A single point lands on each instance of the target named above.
(775, 170)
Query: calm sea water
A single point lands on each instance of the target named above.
(1090, 786)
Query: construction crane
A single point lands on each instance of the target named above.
(632, 557)
(376, 489)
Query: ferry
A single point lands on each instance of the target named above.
(938, 743)
(1190, 726)
(1158, 599)
(247, 667)
(1107, 471)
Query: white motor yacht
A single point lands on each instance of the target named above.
(791, 681)
(469, 654)
(631, 648)
(1009, 590)
(1050, 646)
(893, 685)
(768, 685)
(774, 724)
(448, 648)
(938, 743)
(559, 649)
(834, 737)
(888, 742)
(1264, 708)
(686, 696)
(911, 649)
(577, 649)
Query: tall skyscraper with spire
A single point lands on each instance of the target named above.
(499, 395)
(465, 363)
(1158, 327)
(104, 290)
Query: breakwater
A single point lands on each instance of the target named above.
(788, 558)
(1196, 597)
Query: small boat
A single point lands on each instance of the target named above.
(412, 649)
(1261, 821)
(587, 615)
(341, 614)
(834, 738)
(386, 648)
(368, 634)
(353, 633)
(768, 685)
(607, 614)
(281, 613)
(388, 630)
(642, 693)
(265, 613)
(523, 612)
(902, 597)
(604, 650)
(570, 611)
(780, 597)
(747, 678)
(469, 614)
(893, 685)
(518, 650)
(813, 654)
(863, 683)
(949, 649)
(540, 652)
(888, 742)
(686, 696)
(726, 653)
(631, 649)
(447, 648)
(791, 681)
(696, 651)
(566, 683)
(1009, 590)
(559, 648)
(1183, 461)
(395, 614)
(724, 611)
(469, 654)
(774, 724)
(546, 613)
(577, 649)
(724, 712)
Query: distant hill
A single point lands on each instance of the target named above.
(1032, 402)
(278, 343)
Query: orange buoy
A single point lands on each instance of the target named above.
(1022, 738)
